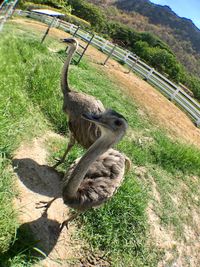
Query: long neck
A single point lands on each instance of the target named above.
(99, 147)
(65, 70)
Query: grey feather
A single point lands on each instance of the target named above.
(74, 105)
(94, 178)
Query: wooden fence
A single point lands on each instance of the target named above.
(168, 88)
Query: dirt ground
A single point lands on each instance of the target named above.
(36, 181)
(39, 182)
(180, 252)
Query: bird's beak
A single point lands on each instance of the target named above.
(66, 40)
(91, 117)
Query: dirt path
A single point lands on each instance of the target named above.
(38, 182)
(156, 106)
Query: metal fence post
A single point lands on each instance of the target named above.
(74, 35)
(56, 23)
(134, 64)
(172, 96)
(198, 122)
(110, 54)
(146, 78)
(85, 48)
(50, 25)
(104, 45)
(71, 28)
(126, 56)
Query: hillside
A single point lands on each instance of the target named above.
(163, 15)
(179, 33)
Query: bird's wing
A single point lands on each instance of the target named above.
(103, 178)
(101, 181)
(84, 131)
(79, 103)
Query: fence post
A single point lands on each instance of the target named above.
(109, 55)
(134, 64)
(146, 78)
(85, 48)
(198, 122)
(59, 22)
(71, 28)
(74, 34)
(104, 45)
(56, 23)
(126, 56)
(87, 36)
(47, 31)
(172, 96)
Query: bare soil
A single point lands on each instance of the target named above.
(177, 252)
(38, 182)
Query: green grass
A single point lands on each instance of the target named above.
(22, 251)
(7, 215)
(20, 119)
(31, 103)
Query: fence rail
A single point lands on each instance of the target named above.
(169, 89)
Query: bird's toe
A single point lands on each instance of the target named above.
(64, 224)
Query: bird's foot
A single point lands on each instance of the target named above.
(58, 162)
(63, 224)
(42, 204)
(45, 204)
(66, 222)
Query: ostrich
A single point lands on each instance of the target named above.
(75, 104)
(94, 178)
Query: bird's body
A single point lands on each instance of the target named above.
(93, 179)
(75, 104)
(101, 181)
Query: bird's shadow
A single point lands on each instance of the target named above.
(41, 179)
(33, 246)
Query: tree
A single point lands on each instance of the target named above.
(88, 12)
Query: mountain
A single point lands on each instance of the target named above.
(180, 34)
(163, 15)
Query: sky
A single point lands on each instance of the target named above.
(183, 8)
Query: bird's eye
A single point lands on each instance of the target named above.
(118, 122)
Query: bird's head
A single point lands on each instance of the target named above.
(71, 42)
(111, 123)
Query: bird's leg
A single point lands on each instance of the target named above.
(71, 218)
(45, 204)
(69, 147)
